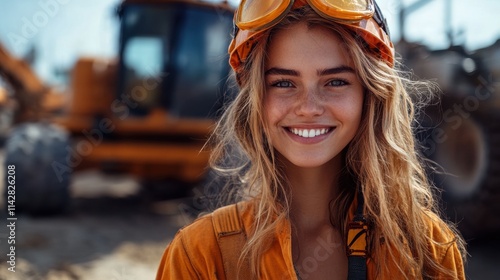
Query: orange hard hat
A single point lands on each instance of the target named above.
(364, 17)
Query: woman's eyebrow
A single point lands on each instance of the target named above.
(336, 70)
(324, 72)
(281, 71)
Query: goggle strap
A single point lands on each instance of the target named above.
(380, 19)
(235, 29)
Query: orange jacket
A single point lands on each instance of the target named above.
(194, 253)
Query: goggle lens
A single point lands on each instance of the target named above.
(258, 14)
(350, 10)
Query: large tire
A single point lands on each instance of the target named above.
(33, 148)
(471, 185)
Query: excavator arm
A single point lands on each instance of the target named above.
(29, 91)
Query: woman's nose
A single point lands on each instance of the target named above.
(309, 103)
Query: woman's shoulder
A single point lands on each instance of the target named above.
(194, 252)
(445, 244)
(437, 229)
(194, 241)
(201, 234)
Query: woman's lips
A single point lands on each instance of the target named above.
(310, 135)
(309, 132)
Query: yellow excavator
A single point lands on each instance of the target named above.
(147, 113)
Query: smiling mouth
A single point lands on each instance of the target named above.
(309, 133)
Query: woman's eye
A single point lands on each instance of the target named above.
(283, 84)
(337, 83)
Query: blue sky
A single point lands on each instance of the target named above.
(476, 20)
(63, 30)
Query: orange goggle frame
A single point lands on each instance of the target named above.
(364, 17)
(258, 14)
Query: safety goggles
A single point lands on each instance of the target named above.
(256, 15)
(363, 17)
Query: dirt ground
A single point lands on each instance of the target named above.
(114, 232)
(111, 232)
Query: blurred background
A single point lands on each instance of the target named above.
(105, 106)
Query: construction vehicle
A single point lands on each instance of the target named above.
(461, 133)
(147, 113)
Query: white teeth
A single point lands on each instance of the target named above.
(309, 133)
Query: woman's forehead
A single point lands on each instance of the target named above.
(300, 45)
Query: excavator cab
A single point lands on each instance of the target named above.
(173, 56)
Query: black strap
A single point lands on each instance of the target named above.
(356, 253)
(356, 269)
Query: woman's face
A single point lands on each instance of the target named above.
(313, 100)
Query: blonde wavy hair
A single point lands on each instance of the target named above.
(382, 159)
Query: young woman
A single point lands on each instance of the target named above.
(331, 185)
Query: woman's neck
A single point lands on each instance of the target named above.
(312, 191)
